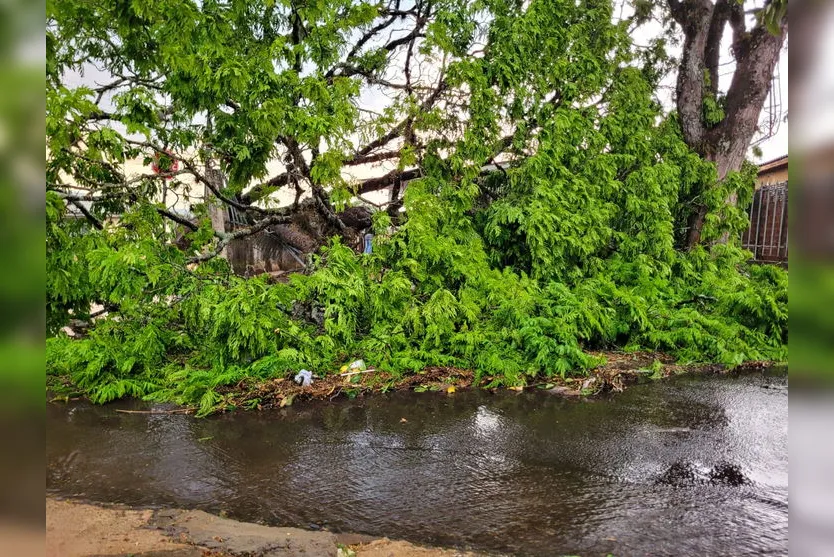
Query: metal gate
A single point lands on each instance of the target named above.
(767, 235)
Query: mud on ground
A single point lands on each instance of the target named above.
(76, 529)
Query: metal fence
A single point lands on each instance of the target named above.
(767, 235)
(236, 219)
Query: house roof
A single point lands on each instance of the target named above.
(777, 163)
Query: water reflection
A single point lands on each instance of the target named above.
(528, 474)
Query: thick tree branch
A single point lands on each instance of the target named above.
(262, 190)
(676, 8)
(756, 60)
(712, 51)
(694, 18)
(737, 22)
(382, 182)
(226, 238)
(404, 40)
(379, 157)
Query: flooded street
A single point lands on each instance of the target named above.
(687, 466)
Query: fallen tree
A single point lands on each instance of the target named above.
(567, 244)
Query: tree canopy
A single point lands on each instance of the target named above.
(571, 241)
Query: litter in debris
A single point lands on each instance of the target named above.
(304, 378)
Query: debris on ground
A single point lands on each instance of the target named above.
(620, 370)
(304, 378)
(357, 365)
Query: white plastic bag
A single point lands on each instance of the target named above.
(304, 378)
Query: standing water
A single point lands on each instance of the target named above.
(688, 466)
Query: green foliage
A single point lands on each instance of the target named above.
(571, 246)
(773, 15)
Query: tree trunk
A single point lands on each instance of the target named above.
(756, 52)
(216, 208)
(724, 163)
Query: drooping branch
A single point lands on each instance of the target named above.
(363, 155)
(192, 169)
(177, 219)
(383, 147)
(76, 201)
(87, 214)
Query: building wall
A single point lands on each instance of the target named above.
(247, 258)
(773, 176)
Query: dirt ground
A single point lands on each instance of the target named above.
(76, 529)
